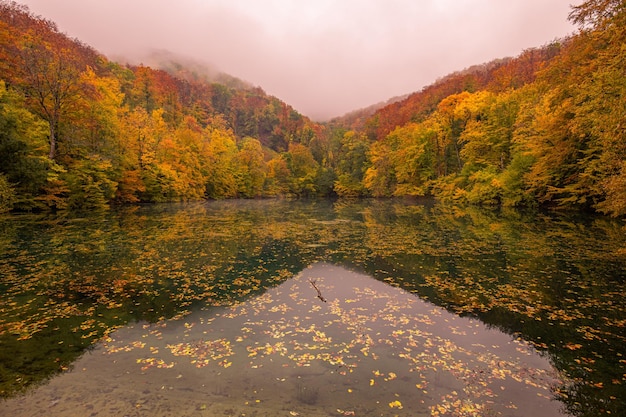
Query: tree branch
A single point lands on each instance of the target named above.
(319, 293)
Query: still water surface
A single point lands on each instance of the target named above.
(269, 308)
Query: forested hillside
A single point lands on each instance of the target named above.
(78, 131)
(545, 128)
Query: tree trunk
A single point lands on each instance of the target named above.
(53, 141)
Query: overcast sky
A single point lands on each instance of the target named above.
(323, 57)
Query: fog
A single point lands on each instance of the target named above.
(323, 57)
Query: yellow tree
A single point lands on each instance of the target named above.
(600, 94)
(278, 175)
(414, 158)
(143, 133)
(380, 176)
(251, 168)
(96, 122)
(452, 116)
(487, 136)
(221, 151)
(543, 134)
(141, 136)
(190, 159)
(51, 78)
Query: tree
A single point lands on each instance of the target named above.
(221, 151)
(7, 194)
(140, 138)
(142, 90)
(51, 80)
(130, 186)
(251, 168)
(352, 165)
(596, 13)
(23, 150)
(142, 134)
(90, 185)
(96, 119)
(414, 158)
(189, 159)
(380, 176)
(303, 168)
(278, 176)
(454, 112)
(599, 93)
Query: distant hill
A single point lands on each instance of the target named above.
(496, 75)
(356, 119)
(191, 69)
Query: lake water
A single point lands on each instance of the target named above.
(312, 308)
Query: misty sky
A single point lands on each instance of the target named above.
(323, 57)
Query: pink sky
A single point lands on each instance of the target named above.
(324, 57)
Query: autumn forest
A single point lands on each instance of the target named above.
(81, 132)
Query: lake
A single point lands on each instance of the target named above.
(312, 308)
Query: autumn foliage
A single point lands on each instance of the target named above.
(82, 132)
(544, 128)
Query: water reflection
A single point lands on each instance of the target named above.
(371, 349)
(553, 280)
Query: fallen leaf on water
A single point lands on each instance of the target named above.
(396, 404)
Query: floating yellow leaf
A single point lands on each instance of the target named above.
(396, 404)
(391, 376)
(573, 346)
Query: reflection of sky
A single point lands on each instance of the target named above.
(371, 349)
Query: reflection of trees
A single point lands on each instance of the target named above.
(72, 281)
(555, 280)
(552, 279)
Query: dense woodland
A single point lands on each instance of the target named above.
(78, 131)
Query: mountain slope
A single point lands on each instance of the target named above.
(82, 132)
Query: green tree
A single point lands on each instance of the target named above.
(352, 165)
(23, 150)
(7, 194)
(90, 185)
(303, 168)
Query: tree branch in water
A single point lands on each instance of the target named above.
(319, 293)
